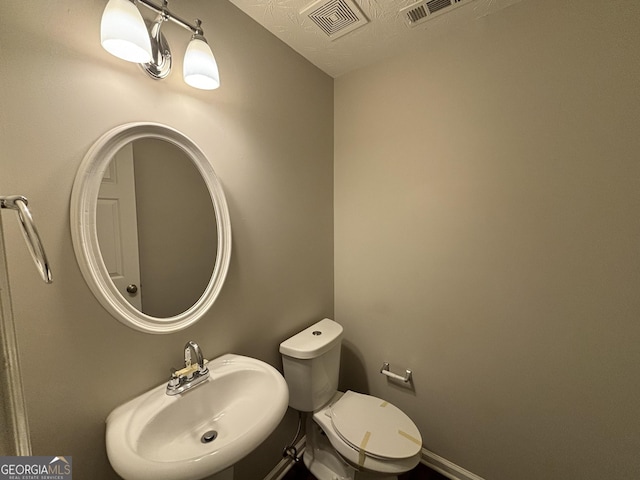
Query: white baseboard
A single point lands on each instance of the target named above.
(445, 467)
(428, 458)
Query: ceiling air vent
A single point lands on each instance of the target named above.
(335, 17)
(427, 9)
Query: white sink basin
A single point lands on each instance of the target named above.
(159, 437)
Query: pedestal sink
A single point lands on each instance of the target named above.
(202, 431)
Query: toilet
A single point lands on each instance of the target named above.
(350, 436)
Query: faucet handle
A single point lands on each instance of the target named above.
(202, 369)
(174, 380)
(186, 371)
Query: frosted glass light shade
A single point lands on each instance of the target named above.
(200, 68)
(123, 32)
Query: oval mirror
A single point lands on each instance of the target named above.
(150, 227)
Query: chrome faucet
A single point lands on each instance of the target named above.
(195, 370)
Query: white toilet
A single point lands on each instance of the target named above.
(350, 435)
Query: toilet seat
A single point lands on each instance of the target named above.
(350, 451)
(375, 427)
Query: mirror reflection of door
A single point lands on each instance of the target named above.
(157, 227)
(117, 226)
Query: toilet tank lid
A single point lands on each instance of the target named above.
(313, 341)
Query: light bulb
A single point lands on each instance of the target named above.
(123, 32)
(200, 68)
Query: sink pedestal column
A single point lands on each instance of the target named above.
(223, 475)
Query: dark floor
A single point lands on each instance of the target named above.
(299, 472)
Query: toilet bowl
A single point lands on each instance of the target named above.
(370, 434)
(349, 435)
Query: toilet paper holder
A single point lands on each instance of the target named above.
(385, 370)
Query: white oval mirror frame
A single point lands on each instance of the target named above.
(84, 198)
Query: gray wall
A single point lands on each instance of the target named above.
(487, 193)
(486, 202)
(271, 146)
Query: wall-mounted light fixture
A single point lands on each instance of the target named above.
(125, 34)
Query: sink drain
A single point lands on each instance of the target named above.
(209, 436)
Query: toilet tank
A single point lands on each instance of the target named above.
(311, 361)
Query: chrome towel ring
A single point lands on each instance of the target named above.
(30, 232)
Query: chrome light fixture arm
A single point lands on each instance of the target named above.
(160, 65)
(167, 15)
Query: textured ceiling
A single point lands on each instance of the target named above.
(385, 35)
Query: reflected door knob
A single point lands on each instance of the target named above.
(132, 289)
